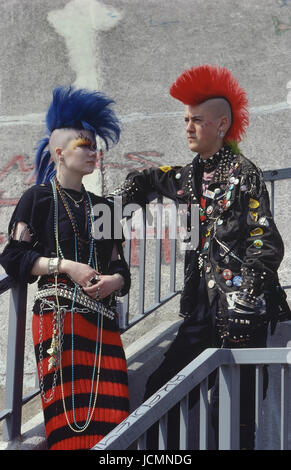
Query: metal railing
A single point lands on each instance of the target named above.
(196, 374)
(11, 414)
(272, 176)
(128, 321)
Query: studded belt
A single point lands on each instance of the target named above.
(79, 297)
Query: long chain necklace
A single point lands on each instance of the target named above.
(69, 213)
(99, 327)
(89, 218)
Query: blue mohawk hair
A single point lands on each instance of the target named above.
(77, 109)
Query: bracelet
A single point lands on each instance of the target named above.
(53, 265)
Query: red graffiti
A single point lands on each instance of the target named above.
(19, 161)
(136, 160)
(3, 238)
(141, 158)
(165, 255)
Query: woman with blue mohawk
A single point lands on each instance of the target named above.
(81, 362)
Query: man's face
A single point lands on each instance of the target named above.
(202, 129)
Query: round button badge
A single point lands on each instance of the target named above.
(237, 281)
(227, 274)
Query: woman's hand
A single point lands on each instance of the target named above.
(79, 272)
(105, 286)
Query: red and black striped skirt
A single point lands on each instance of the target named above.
(112, 404)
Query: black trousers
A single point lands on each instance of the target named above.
(193, 337)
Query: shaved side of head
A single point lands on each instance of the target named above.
(219, 107)
(59, 139)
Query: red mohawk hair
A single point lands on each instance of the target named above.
(196, 85)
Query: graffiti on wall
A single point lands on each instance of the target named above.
(281, 26)
(131, 161)
(283, 3)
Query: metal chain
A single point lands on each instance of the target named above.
(56, 321)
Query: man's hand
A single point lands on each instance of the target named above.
(246, 316)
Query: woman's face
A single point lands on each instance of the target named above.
(80, 153)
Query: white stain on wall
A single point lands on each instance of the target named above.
(79, 23)
(289, 92)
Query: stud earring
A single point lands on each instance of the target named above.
(221, 134)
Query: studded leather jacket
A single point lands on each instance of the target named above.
(240, 247)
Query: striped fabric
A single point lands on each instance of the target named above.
(112, 405)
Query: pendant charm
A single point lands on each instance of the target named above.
(53, 352)
(51, 363)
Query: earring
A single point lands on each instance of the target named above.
(221, 134)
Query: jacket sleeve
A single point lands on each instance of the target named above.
(264, 249)
(142, 187)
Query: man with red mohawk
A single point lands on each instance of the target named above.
(231, 291)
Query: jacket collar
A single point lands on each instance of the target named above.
(222, 162)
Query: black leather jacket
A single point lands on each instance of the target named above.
(243, 248)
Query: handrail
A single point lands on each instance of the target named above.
(6, 283)
(176, 390)
(15, 362)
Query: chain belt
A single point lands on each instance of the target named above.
(79, 297)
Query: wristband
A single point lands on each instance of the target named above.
(53, 265)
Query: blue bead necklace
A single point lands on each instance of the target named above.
(93, 263)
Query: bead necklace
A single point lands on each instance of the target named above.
(211, 163)
(88, 213)
(67, 209)
(99, 327)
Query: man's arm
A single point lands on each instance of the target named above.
(264, 249)
(142, 187)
